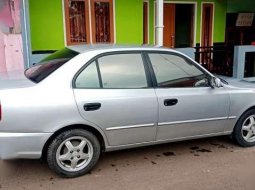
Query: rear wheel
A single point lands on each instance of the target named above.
(73, 153)
(244, 132)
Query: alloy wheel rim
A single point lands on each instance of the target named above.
(74, 154)
(248, 129)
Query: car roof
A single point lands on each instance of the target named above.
(114, 47)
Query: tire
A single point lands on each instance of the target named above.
(73, 153)
(244, 131)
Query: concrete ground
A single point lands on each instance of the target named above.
(212, 163)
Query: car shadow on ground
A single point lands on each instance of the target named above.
(124, 158)
(174, 149)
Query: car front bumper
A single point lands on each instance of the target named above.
(22, 145)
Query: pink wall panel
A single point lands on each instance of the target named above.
(6, 15)
(2, 54)
(13, 52)
(11, 58)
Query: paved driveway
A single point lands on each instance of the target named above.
(214, 163)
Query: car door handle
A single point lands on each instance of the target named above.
(92, 106)
(170, 102)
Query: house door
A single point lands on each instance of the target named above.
(206, 41)
(169, 25)
(207, 23)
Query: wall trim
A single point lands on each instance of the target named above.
(154, 22)
(90, 23)
(114, 22)
(26, 35)
(148, 17)
(43, 52)
(64, 21)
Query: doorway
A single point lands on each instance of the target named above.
(179, 27)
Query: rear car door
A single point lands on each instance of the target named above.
(188, 106)
(114, 92)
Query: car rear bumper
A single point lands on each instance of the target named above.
(22, 145)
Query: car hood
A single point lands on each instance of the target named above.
(14, 79)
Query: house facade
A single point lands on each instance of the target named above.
(50, 25)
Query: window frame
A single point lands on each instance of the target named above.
(93, 20)
(153, 75)
(67, 23)
(95, 59)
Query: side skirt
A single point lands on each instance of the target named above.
(136, 145)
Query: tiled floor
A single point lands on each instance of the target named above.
(13, 52)
(11, 57)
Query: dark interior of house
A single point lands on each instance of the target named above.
(184, 25)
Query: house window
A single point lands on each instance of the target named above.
(77, 21)
(102, 21)
(77, 18)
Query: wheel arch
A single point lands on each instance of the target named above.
(242, 113)
(91, 129)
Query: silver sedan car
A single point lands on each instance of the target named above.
(81, 101)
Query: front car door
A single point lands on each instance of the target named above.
(114, 93)
(188, 107)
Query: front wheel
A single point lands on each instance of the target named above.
(73, 153)
(244, 132)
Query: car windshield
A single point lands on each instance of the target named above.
(49, 64)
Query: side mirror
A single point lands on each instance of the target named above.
(215, 82)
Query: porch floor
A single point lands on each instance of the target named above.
(243, 83)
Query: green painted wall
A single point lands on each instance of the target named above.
(151, 21)
(235, 6)
(220, 20)
(129, 23)
(46, 24)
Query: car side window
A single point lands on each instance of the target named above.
(173, 71)
(88, 78)
(122, 71)
(119, 71)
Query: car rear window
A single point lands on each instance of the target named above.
(48, 65)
